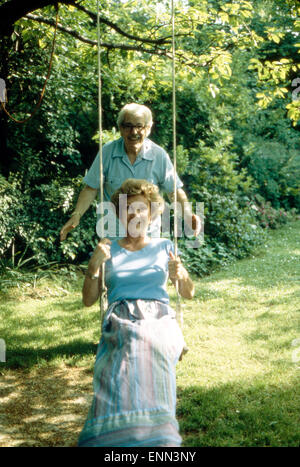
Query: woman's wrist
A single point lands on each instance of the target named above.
(76, 213)
(185, 274)
(95, 262)
(185, 278)
(92, 275)
(93, 270)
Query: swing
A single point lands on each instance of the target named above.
(103, 295)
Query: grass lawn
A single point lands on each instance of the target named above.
(237, 386)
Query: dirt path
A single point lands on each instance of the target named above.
(44, 407)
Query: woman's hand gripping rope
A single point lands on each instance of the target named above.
(177, 272)
(99, 256)
(176, 269)
(93, 284)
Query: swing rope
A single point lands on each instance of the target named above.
(103, 295)
(179, 314)
(45, 84)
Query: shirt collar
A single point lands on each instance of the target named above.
(145, 152)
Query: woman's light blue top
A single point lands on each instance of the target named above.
(141, 274)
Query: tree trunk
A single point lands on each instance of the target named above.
(10, 12)
(13, 10)
(5, 156)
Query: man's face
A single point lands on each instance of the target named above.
(133, 131)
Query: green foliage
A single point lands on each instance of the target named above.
(230, 232)
(269, 217)
(276, 62)
(229, 57)
(9, 210)
(38, 215)
(276, 170)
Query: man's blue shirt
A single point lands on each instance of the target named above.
(152, 164)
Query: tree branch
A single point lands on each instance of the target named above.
(65, 29)
(13, 10)
(50, 22)
(93, 16)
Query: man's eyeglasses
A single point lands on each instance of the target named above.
(129, 126)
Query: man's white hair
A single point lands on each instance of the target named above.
(136, 109)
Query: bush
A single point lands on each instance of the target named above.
(10, 197)
(231, 228)
(230, 232)
(274, 164)
(269, 217)
(33, 221)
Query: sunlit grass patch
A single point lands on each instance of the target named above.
(47, 329)
(237, 386)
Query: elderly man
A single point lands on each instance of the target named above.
(131, 156)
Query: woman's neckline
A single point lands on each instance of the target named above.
(133, 251)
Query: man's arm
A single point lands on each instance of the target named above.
(85, 199)
(191, 219)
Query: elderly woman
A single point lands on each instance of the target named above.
(134, 400)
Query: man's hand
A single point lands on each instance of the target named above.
(70, 225)
(85, 199)
(192, 222)
(196, 224)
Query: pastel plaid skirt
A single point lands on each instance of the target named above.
(134, 401)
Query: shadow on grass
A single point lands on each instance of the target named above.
(48, 330)
(44, 407)
(48, 407)
(241, 414)
(28, 357)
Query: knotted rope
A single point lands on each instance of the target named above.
(179, 314)
(103, 296)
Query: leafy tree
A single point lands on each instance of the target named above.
(230, 56)
(277, 64)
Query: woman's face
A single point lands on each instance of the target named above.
(135, 215)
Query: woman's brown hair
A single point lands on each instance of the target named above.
(133, 187)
